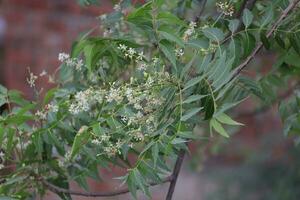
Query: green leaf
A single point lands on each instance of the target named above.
(192, 82)
(247, 17)
(233, 25)
(169, 18)
(294, 41)
(49, 95)
(190, 113)
(187, 134)
(225, 119)
(139, 179)
(280, 41)
(80, 139)
(172, 37)
(193, 98)
(169, 53)
(178, 141)
(155, 152)
(214, 34)
(218, 127)
(265, 40)
(131, 184)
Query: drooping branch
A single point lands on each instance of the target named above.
(283, 15)
(175, 174)
(57, 189)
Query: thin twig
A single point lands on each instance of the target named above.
(175, 174)
(197, 19)
(57, 189)
(284, 14)
(247, 4)
(265, 108)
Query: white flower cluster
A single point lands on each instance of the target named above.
(190, 31)
(71, 62)
(84, 100)
(42, 114)
(179, 52)
(225, 8)
(131, 53)
(136, 113)
(31, 80)
(114, 94)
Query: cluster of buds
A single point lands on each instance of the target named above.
(225, 8)
(190, 31)
(72, 62)
(42, 114)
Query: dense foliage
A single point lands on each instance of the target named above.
(133, 96)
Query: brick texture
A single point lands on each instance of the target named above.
(36, 31)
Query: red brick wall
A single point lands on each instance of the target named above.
(36, 31)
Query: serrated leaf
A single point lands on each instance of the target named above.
(279, 41)
(193, 98)
(192, 82)
(190, 113)
(169, 54)
(172, 37)
(169, 18)
(155, 152)
(214, 34)
(265, 40)
(233, 25)
(247, 17)
(80, 139)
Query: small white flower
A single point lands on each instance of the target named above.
(122, 47)
(43, 73)
(114, 94)
(31, 80)
(179, 52)
(124, 119)
(190, 31)
(140, 56)
(79, 64)
(155, 60)
(62, 57)
(52, 108)
(96, 141)
(142, 67)
(131, 52)
(41, 114)
(225, 8)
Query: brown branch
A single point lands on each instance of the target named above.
(197, 19)
(175, 174)
(57, 189)
(265, 108)
(284, 14)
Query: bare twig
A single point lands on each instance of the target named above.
(57, 189)
(284, 14)
(175, 174)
